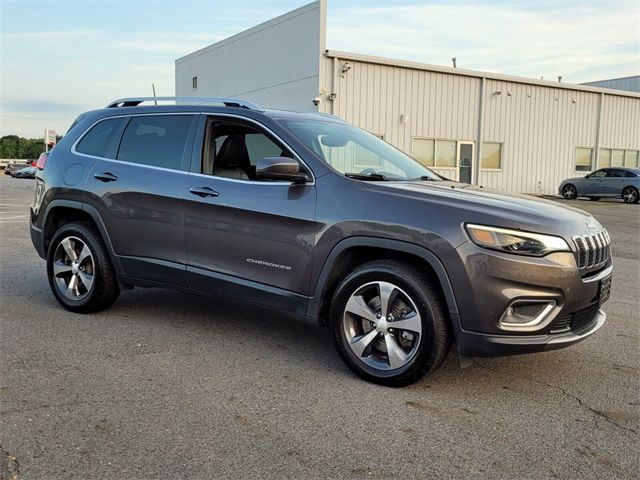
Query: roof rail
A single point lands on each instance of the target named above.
(226, 101)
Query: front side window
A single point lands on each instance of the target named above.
(97, 141)
(155, 140)
(599, 174)
(233, 150)
(356, 153)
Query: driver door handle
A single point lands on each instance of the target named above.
(204, 192)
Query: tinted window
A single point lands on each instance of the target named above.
(158, 141)
(598, 174)
(98, 140)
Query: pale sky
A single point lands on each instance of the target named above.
(60, 58)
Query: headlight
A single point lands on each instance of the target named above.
(515, 241)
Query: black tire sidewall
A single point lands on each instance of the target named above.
(422, 360)
(87, 236)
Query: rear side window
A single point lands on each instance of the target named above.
(157, 141)
(98, 140)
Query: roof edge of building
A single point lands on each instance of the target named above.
(610, 79)
(474, 73)
(250, 31)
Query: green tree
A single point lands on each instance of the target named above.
(13, 146)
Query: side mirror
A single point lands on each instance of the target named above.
(281, 168)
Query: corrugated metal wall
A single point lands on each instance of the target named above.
(630, 84)
(539, 126)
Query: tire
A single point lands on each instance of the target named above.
(569, 192)
(412, 291)
(95, 286)
(595, 199)
(630, 195)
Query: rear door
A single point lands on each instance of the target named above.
(245, 237)
(616, 181)
(138, 194)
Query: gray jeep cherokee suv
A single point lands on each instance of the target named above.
(310, 215)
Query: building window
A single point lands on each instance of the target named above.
(446, 153)
(424, 150)
(631, 158)
(604, 159)
(491, 156)
(194, 83)
(617, 158)
(583, 159)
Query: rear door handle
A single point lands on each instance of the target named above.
(204, 192)
(106, 177)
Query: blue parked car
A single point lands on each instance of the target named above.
(613, 182)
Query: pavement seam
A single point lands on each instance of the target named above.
(596, 412)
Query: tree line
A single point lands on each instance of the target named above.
(13, 146)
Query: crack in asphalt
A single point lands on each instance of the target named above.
(596, 412)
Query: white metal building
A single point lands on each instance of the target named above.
(500, 131)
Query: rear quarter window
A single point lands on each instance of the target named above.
(99, 138)
(157, 141)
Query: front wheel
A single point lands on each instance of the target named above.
(569, 192)
(80, 274)
(390, 323)
(630, 195)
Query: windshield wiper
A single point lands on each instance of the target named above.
(366, 176)
(424, 177)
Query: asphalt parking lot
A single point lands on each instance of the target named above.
(169, 385)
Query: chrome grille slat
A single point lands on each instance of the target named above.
(592, 250)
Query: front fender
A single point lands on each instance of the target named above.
(315, 302)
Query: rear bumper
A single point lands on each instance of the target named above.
(473, 344)
(38, 240)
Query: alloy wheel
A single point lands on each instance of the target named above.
(382, 325)
(569, 192)
(73, 268)
(630, 195)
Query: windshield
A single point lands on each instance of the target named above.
(356, 153)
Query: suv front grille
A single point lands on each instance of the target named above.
(577, 321)
(593, 250)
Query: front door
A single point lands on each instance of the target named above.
(595, 183)
(245, 237)
(465, 162)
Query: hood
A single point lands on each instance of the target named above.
(476, 204)
(574, 179)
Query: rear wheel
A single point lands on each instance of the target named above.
(630, 195)
(390, 323)
(569, 192)
(80, 274)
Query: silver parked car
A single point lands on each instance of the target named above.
(613, 182)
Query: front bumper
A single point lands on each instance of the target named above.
(474, 344)
(487, 283)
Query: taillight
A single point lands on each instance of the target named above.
(42, 161)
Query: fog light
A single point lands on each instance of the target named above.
(528, 315)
